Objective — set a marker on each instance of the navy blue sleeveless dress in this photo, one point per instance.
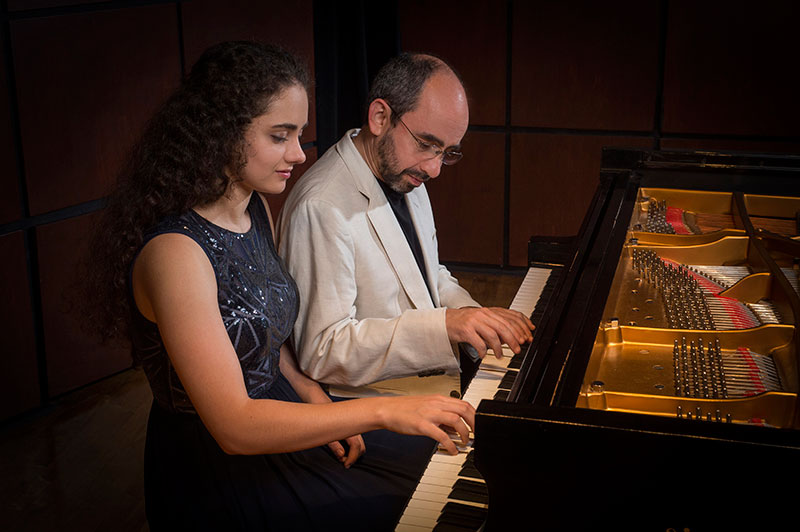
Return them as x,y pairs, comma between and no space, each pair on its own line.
190,483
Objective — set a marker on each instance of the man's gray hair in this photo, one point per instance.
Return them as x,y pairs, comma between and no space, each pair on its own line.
400,81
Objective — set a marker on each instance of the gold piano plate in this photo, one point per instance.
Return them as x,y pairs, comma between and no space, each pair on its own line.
774,207
661,239
632,370
726,250
726,351
706,215
690,200
776,406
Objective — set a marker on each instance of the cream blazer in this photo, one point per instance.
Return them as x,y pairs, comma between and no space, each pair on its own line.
367,325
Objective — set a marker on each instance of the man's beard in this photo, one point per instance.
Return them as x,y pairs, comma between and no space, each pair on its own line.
388,168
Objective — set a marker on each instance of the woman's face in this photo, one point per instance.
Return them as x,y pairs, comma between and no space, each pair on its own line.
272,143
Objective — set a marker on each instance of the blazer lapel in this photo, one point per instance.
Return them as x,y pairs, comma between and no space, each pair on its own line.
394,242
386,226
425,232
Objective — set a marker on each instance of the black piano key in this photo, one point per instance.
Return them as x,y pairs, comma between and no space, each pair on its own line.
453,512
547,291
516,360
463,495
501,395
471,485
544,297
508,380
469,490
468,470
463,515
459,523
447,527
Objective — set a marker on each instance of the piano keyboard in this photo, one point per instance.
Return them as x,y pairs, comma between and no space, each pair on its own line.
530,290
451,494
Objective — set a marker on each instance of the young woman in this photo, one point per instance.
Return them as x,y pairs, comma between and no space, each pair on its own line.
238,438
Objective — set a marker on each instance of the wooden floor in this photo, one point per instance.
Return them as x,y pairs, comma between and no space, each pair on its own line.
77,464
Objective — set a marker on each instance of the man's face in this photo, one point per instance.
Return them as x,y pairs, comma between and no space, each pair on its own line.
440,119
399,179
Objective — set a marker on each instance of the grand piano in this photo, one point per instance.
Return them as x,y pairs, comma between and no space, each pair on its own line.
660,391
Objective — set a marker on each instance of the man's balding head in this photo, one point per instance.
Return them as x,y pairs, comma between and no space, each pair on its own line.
402,80
416,118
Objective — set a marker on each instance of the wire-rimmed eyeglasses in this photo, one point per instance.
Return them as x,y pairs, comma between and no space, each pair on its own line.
449,157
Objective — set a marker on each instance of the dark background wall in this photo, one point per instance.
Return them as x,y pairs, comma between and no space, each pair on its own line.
550,84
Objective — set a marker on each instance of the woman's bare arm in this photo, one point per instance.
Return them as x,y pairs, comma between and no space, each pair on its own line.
174,285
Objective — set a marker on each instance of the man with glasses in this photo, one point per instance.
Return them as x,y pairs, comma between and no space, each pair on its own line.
378,313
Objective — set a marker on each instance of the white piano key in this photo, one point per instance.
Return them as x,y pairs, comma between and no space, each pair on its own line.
448,458
427,524
407,527
426,515
460,445
436,480
424,508
490,360
439,504
432,496
447,472
429,491
444,466
529,291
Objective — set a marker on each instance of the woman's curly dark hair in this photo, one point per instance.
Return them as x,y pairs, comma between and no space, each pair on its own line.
181,161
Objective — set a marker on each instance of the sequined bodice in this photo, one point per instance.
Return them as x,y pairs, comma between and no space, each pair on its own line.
257,298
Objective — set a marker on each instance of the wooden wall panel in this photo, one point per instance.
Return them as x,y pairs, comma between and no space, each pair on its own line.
21,5
19,380
467,201
591,65
74,358
472,36
288,24
86,83
731,68
10,201
553,180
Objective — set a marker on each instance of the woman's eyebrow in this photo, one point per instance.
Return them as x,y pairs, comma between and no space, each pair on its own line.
291,127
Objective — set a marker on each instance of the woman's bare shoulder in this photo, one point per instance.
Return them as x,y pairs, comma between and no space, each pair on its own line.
170,266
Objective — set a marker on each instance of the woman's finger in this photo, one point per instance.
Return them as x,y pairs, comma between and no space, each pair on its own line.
337,449
357,448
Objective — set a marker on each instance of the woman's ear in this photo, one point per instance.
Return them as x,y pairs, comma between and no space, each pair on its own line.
378,116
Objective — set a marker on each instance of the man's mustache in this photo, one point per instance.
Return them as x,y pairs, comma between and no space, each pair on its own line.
422,176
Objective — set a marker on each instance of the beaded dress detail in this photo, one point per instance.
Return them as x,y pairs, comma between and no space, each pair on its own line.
257,298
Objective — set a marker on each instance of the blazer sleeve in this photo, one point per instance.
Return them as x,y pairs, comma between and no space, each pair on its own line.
332,345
